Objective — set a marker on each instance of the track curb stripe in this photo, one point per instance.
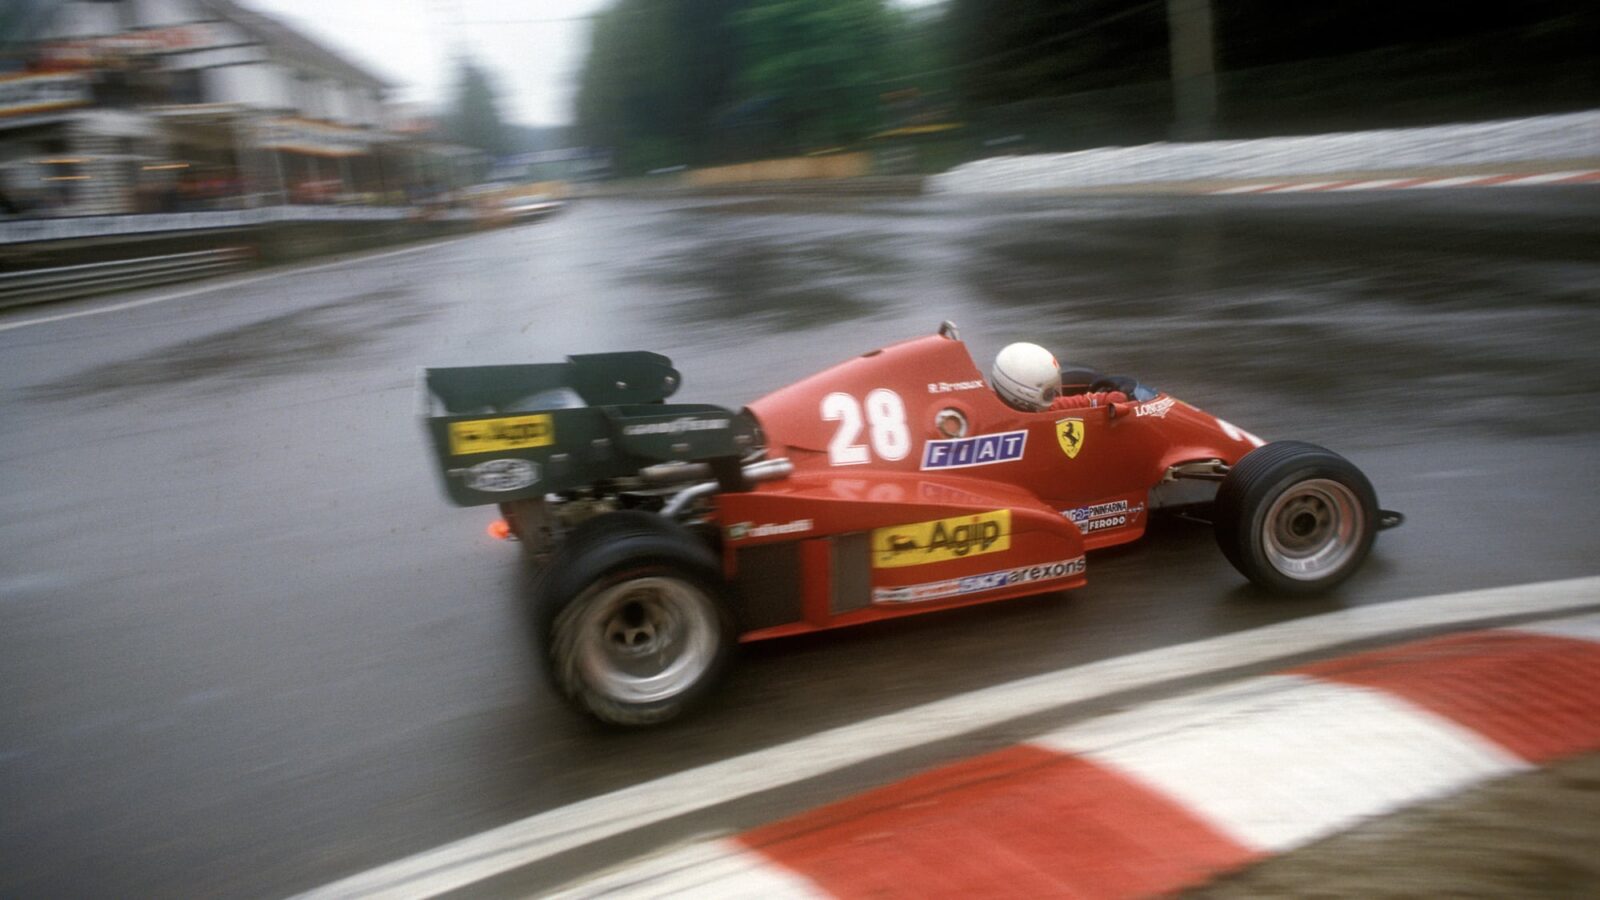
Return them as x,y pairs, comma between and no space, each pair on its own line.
1533,694
538,837
1040,823
1171,794
1281,761
1429,183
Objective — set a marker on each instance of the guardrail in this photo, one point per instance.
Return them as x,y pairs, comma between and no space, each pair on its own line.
22,231
41,285
1569,141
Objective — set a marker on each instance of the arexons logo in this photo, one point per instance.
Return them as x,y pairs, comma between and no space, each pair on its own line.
939,540
973,584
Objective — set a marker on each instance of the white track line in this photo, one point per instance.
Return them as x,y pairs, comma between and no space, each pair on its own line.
702,871
1414,183
546,834
1579,628
222,286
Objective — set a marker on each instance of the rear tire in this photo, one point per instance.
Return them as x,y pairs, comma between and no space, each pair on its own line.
1296,518
635,620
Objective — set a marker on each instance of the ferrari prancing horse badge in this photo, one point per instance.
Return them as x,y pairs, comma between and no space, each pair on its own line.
1070,433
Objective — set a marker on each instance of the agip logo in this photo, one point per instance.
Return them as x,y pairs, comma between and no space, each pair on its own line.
1069,432
939,540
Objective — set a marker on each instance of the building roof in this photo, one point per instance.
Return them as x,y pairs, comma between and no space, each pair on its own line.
295,45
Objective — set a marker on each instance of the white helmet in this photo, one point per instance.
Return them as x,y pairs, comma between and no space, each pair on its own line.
1026,376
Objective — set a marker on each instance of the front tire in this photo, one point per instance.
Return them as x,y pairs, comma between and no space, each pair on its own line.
635,618
1296,518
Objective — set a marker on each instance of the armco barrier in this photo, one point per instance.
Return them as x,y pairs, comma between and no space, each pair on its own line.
40,285
1568,140
56,259
21,231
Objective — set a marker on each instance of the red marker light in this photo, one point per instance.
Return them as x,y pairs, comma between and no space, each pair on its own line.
500,530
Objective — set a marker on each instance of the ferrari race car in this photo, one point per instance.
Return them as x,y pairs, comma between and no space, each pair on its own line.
892,484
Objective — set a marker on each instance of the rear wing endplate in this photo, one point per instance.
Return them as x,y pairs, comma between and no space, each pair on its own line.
502,433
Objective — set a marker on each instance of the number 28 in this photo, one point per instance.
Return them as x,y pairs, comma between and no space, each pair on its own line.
886,426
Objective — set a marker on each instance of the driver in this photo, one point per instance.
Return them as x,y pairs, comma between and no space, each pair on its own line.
1027,377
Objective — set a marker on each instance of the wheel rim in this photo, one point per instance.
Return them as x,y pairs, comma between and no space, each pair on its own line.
646,639
1313,529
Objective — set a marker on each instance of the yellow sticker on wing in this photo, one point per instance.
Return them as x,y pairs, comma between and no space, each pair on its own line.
494,435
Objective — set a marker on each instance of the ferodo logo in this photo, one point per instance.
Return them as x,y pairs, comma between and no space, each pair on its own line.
957,537
508,433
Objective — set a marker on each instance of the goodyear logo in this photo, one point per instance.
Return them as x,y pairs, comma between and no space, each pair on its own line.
957,537
508,433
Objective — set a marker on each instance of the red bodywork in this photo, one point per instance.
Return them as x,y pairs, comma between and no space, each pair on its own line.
885,515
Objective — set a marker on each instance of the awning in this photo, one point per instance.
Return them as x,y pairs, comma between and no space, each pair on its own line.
22,95
316,138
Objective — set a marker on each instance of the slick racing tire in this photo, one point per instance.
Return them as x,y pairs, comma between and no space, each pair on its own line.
1295,518
636,622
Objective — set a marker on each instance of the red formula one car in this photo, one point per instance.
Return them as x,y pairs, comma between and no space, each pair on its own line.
892,484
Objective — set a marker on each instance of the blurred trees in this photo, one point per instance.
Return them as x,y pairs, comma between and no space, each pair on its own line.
473,118
656,73
1067,74
1010,50
675,82
699,82
815,67
1269,32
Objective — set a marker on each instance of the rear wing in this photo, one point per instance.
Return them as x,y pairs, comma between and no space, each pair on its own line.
503,433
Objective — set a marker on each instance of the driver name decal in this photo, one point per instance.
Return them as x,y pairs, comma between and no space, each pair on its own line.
950,387
506,433
939,540
983,450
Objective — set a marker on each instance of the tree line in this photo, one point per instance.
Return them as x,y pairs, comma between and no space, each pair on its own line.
698,82
674,82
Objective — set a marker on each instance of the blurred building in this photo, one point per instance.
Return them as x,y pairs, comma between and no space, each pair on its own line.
125,106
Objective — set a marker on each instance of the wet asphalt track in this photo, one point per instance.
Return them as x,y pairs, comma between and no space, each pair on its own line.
247,647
